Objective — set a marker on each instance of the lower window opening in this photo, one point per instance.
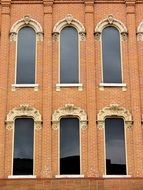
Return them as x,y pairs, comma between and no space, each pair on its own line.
69,146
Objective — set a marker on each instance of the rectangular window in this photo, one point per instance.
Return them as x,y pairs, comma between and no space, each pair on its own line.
69,146
115,146
23,146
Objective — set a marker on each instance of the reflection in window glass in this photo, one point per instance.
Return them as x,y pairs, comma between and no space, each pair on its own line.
111,55
69,56
115,146
26,56
69,146
23,147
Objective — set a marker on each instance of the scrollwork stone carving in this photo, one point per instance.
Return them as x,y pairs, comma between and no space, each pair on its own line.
69,110
114,110
24,110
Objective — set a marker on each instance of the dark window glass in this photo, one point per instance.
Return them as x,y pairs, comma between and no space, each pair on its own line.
69,146
23,147
115,147
26,56
69,56
111,55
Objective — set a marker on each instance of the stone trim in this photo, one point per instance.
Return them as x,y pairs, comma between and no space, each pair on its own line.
140,32
69,20
114,110
26,21
110,21
69,110
23,111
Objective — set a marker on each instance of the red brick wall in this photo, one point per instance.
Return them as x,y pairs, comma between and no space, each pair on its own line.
92,99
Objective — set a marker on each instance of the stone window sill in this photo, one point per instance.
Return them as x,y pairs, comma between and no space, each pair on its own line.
70,85
35,86
21,176
116,176
114,85
69,176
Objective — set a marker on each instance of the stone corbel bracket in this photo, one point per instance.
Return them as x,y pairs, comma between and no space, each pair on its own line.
23,111
69,20
114,111
110,21
26,21
69,110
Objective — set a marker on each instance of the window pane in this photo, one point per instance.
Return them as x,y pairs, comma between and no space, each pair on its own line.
115,147
111,55
23,147
69,146
69,56
26,56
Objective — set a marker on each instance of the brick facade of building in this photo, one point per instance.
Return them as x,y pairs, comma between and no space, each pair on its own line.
119,101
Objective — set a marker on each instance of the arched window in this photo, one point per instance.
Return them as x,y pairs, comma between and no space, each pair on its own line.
69,120
26,32
23,120
69,56
111,55
68,32
115,121
115,146
23,146
69,146
111,33
26,50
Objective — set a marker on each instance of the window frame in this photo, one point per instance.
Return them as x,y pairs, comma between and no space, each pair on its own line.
125,144
59,59
16,54
121,58
13,140
69,20
70,117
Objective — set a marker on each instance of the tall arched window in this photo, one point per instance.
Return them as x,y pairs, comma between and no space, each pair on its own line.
69,56
111,55
23,146
26,47
115,146
69,146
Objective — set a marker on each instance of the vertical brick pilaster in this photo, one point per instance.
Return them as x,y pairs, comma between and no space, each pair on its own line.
5,24
47,90
91,95
135,89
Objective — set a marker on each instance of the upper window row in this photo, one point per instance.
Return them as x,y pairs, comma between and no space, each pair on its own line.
69,31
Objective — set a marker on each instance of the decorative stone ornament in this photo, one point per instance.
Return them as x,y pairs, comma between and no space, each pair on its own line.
69,20
24,111
140,32
110,21
26,21
114,110
69,110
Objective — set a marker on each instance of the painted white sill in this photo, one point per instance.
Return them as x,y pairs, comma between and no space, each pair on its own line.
112,84
21,176
69,176
69,85
25,85
116,176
